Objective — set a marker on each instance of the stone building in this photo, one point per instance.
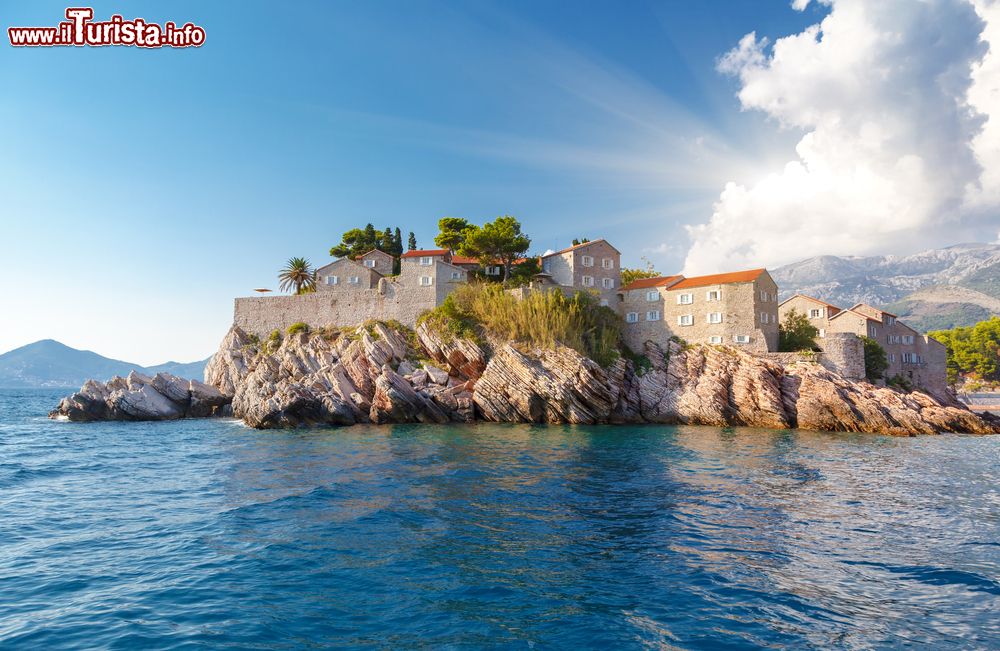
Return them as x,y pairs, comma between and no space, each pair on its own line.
379,261
345,274
915,357
592,266
736,309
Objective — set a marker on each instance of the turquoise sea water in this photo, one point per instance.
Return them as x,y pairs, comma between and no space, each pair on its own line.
205,534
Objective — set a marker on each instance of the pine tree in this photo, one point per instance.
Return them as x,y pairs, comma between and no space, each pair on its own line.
412,243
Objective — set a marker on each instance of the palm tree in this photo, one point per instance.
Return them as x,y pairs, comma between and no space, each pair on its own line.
297,274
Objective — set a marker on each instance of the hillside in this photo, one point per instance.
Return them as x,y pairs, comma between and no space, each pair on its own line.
49,363
934,289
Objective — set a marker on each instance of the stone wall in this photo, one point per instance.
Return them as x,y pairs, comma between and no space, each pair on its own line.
843,353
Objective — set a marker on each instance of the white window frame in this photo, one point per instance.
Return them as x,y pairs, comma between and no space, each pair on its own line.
815,313
741,339
714,317
588,281
370,264
652,295
426,281
604,302
492,270
764,296
685,299
333,280
872,331
426,261
713,295
608,283
632,317
715,339
607,263
456,275
587,261
765,317
653,315
685,319
822,332
907,339
354,280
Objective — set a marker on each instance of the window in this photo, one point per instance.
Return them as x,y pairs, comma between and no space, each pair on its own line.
889,320
685,299
892,357
815,313
607,263
715,339
588,281
354,280
653,315
764,296
907,358
907,339
332,280
822,332
492,271
872,331
765,317
652,295
604,302
370,264
588,261
426,280
715,317
426,261
608,283
632,317
714,295
685,320
741,339
456,275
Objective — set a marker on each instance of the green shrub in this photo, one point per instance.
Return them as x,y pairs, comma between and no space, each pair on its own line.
900,382
795,333
876,361
296,328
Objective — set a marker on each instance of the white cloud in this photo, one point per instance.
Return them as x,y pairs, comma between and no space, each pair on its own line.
891,97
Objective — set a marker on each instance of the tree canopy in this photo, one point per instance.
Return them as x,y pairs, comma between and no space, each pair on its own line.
299,275
796,333
973,351
411,243
876,361
630,275
359,241
451,233
500,241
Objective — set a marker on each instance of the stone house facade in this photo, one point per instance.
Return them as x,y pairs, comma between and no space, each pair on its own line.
345,274
379,261
592,266
733,309
915,357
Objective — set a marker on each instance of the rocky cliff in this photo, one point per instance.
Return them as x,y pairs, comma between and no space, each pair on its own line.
378,374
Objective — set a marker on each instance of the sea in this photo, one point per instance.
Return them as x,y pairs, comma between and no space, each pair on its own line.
204,534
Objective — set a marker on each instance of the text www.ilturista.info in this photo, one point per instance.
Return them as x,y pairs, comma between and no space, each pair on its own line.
78,30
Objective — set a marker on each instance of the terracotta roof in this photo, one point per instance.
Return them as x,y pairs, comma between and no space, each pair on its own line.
577,246
813,299
849,311
720,279
644,283
419,253
373,251
461,259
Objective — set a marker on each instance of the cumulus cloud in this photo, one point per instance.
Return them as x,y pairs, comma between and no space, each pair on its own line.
894,100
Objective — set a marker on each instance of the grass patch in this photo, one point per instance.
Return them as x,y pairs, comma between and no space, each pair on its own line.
543,319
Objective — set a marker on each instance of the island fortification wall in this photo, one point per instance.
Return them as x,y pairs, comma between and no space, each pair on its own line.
843,353
261,315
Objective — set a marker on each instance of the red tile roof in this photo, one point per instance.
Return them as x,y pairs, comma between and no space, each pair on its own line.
720,279
872,307
419,253
644,283
461,259
814,300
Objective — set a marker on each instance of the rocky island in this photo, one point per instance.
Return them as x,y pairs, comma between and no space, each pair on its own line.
386,373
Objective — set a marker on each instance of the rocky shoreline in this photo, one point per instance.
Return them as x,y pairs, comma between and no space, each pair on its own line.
380,374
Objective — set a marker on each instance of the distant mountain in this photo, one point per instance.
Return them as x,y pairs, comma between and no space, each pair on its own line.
48,363
939,288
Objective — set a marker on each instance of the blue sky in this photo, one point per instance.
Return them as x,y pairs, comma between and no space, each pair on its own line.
143,190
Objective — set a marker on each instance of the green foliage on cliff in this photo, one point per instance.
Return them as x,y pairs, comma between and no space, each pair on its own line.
795,333
543,319
876,361
973,351
297,327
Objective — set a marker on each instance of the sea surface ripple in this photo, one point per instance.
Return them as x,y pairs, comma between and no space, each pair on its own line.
206,534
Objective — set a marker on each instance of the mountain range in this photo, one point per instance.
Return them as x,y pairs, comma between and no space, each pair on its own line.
935,289
49,363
